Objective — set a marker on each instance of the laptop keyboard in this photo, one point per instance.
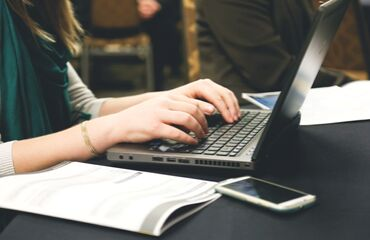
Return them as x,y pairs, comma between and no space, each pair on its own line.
222,139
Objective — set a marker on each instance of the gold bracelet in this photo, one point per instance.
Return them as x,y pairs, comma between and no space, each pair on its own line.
85,136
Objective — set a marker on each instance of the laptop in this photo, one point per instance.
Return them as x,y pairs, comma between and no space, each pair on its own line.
243,144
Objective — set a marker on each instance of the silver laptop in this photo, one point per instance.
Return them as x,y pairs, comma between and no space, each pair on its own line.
244,144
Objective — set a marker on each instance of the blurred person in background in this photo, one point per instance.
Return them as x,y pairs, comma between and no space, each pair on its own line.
160,19
248,46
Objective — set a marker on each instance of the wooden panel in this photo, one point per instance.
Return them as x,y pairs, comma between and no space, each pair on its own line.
114,13
346,51
190,37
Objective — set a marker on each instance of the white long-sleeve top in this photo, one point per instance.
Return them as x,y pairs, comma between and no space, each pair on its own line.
81,98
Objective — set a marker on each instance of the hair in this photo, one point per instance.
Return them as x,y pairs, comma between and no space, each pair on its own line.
60,14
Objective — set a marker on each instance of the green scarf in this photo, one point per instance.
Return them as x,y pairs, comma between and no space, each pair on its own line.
33,79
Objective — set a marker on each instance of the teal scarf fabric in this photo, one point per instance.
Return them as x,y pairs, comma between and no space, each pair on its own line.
33,79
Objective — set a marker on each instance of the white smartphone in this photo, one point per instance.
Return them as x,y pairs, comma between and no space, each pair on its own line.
266,194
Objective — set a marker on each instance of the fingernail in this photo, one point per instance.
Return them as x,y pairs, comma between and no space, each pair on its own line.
232,116
231,119
210,109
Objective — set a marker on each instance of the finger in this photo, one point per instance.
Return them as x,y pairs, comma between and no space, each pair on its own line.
191,106
230,100
205,107
173,133
185,120
211,94
221,107
224,100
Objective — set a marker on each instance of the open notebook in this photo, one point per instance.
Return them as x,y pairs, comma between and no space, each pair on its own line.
124,199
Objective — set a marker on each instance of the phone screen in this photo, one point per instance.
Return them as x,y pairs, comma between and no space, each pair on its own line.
263,190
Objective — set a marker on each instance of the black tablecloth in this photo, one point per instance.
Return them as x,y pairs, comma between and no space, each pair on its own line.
333,163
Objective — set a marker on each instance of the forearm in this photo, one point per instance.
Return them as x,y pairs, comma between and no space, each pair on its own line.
82,98
115,105
154,119
68,145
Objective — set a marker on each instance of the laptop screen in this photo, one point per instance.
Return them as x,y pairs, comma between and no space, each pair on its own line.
303,71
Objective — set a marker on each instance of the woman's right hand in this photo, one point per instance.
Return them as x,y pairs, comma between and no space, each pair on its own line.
165,117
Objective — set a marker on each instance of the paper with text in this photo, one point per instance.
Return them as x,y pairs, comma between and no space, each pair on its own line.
124,199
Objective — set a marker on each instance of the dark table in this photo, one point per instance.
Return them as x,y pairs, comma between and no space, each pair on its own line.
333,163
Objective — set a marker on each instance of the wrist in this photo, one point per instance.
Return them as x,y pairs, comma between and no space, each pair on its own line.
100,133
119,129
87,141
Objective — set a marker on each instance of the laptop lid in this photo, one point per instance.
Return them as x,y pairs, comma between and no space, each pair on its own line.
303,73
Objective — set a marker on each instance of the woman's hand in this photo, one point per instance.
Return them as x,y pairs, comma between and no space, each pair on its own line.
166,117
222,98
173,114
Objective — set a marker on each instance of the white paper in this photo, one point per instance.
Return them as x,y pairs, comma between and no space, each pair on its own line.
112,197
336,104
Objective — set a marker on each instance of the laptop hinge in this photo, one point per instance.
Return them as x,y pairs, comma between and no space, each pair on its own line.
280,155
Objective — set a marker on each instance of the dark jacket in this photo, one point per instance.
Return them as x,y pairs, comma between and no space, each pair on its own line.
248,45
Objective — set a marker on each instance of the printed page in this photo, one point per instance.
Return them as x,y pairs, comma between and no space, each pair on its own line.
326,105
336,104
112,197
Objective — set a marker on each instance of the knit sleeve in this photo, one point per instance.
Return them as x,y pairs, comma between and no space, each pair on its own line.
6,159
82,99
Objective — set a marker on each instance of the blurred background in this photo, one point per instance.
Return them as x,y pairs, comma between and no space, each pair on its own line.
134,46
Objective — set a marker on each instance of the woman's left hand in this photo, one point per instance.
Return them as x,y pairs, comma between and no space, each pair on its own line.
211,95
